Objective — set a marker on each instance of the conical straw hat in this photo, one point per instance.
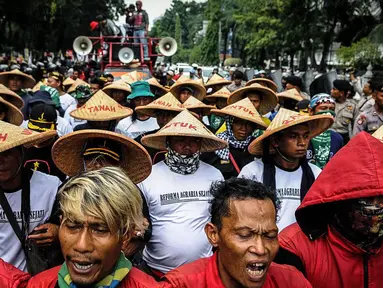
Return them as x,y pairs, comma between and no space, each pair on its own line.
28,81
68,82
243,109
13,113
101,107
37,86
67,153
132,77
216,80
199,90
222,93
185,124
378,134
291,94
153,82
117,85
269,99
286,118
11,96
264,82
167,102
12,136
78,82
192,103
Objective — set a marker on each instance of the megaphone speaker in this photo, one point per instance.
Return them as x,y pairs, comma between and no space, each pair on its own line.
82,45
168,46
126,55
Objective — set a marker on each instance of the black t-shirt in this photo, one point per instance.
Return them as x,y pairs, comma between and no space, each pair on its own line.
241,156
40,159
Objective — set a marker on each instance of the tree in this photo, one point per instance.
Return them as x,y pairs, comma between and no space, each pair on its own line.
178,32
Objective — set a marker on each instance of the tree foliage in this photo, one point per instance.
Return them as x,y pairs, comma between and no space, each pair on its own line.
360,54
51,24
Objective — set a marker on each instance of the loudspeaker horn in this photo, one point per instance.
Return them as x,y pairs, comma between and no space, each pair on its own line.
82,45
126,55
168,46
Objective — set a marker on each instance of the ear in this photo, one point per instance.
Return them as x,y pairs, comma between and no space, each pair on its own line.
212,234
373,95
274,141
311,111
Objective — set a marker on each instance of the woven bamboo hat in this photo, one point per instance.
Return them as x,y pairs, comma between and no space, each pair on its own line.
291,94
185,124
67,153
12,136
378,134
216,80
197,87
269,98
76,83
167,102
264,82
28,81
68,82
155,84
132,77
243,109
101,107
13,114
11,96
117,85
285,119
193,104
222,93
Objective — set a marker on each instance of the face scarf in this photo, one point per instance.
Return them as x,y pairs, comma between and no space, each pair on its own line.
113,280
322,144
182,164
361,222
228,136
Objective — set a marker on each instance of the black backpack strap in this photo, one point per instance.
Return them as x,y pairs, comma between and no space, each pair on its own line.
25,208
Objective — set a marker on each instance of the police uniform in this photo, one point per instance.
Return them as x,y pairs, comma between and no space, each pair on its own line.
369,121
345,115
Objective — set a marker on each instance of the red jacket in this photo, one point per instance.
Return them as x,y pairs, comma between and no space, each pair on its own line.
135,279
11,277
204,273
328,259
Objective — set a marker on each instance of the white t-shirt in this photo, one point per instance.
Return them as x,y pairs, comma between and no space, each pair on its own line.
66,100
133,129
73,121
179,210
43,190
287,185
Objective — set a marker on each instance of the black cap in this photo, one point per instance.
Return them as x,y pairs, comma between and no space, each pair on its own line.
294,80
43,118
42,97
100,146
342,85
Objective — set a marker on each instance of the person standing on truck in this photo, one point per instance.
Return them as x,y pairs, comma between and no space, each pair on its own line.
141,26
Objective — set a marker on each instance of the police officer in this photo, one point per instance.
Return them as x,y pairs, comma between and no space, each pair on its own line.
372,118
345,109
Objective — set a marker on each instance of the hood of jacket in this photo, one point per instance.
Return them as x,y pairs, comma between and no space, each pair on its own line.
354,172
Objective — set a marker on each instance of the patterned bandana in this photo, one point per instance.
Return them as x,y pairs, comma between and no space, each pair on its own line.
113,280
228,136
182,164
320,99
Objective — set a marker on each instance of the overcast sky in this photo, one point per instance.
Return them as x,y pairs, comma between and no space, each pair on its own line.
155,8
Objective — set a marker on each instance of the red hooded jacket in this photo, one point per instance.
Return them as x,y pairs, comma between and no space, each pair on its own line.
203,273
135,279
11,277
327,258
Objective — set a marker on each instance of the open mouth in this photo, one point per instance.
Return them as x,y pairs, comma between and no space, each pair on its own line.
82,267
256,270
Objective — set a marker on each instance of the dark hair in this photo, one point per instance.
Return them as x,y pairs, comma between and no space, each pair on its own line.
247,93
236,189
238,75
